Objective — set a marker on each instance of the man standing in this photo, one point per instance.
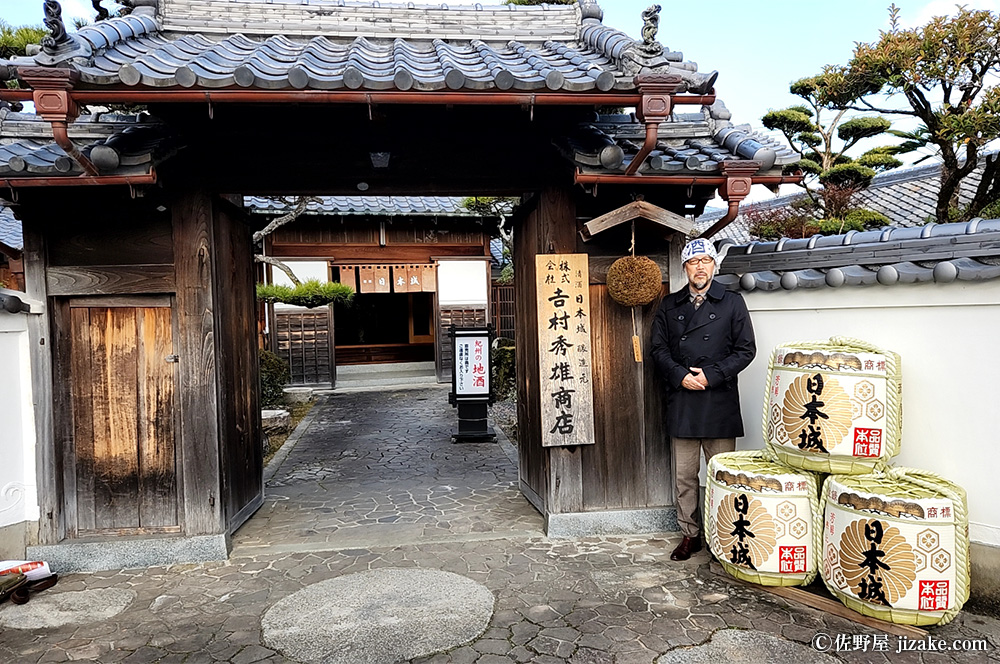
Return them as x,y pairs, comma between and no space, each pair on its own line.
702,338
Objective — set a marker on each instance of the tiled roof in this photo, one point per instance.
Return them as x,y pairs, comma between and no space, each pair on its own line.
933,253
689,143
331,44
907,196
409,206
10,230
117,144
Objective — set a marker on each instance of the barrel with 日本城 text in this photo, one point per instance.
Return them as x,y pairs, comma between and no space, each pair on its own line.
833,407
896,545
763,519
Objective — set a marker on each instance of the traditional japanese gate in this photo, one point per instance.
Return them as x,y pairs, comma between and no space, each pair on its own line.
530,130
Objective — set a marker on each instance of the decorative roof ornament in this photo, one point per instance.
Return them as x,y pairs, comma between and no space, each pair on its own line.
59,46
651,25
590,9
102,13
650,57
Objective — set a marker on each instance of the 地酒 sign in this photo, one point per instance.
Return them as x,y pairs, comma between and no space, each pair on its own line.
564,349
472,363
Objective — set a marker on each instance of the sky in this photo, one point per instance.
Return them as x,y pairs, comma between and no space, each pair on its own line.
758,47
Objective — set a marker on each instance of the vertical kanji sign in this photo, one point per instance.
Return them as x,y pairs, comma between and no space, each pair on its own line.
564,350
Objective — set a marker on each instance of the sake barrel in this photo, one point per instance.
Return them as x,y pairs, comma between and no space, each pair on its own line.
833,407
762,519
896,545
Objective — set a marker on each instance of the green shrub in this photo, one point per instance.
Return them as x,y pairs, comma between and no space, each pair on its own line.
879,161
848,176
838,226
504,373
857,128
311,293
274,375
867,218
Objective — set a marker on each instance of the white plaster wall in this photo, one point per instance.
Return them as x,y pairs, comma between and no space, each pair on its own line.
18,492
947,335
463,282
304,270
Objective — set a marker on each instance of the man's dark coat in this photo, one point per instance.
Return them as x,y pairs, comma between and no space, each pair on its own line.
718,338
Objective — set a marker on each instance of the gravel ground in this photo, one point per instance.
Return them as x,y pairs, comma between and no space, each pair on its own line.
504,415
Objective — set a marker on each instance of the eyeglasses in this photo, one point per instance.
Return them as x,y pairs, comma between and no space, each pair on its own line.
704,260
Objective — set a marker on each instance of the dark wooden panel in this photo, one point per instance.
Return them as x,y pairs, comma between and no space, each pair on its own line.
48,451
239,408
532,458
618,398
116,413
157,466
659,483
303,339
414,253
384,353
110,280
82,381
502,310
599,266
131,241
197,386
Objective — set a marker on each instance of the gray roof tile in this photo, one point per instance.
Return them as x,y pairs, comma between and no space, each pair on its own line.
333,44
117,144
907,196
938,253
449,206
689,143
10,230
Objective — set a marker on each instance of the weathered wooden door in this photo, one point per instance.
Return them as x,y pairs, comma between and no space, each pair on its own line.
122,386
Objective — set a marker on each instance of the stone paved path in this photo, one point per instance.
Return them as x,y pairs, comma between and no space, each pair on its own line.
592,600
379,467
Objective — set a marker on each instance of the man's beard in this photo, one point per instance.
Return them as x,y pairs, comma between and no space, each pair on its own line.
700,283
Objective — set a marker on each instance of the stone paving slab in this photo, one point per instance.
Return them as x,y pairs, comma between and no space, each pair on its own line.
556,601
379,467
374,483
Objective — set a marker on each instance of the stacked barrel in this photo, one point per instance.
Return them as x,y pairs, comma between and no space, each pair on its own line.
888,542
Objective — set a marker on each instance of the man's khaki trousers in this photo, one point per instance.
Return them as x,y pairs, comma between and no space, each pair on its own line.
687,463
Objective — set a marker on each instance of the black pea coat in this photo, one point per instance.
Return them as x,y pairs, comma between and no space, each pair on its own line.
718,338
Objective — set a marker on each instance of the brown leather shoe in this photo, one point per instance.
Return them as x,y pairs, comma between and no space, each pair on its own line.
688,546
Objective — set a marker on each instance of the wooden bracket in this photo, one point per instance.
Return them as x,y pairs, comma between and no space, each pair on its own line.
637,210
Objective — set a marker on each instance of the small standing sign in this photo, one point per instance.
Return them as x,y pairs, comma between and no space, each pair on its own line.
564,349
471,385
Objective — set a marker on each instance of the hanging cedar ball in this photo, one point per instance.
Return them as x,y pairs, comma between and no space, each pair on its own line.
634,281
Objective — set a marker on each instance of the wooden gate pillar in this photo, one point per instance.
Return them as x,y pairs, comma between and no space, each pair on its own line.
622,482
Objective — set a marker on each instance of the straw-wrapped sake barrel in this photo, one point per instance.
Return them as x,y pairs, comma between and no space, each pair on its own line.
833,407
762,519
896,545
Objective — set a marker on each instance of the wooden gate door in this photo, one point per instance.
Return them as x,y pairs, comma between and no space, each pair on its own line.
305,340
122,379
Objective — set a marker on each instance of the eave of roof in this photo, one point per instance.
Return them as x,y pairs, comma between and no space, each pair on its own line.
940,253
581,56
376,206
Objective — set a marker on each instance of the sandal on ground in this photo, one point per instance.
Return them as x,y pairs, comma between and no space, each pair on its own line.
9,583
22,594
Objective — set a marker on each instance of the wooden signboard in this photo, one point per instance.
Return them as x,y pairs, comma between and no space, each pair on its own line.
413,278
382,279
367,275
564,349
429,278
348,277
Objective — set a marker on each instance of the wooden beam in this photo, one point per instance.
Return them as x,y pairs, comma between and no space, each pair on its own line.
637,210
110,280
828,605
396,253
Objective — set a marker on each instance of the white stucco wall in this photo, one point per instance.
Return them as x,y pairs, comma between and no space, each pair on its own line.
463,282
18,492
947,337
